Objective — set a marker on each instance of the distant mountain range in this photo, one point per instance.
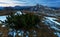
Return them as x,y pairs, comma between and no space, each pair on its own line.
1,8
56,8
37,8
28,7
16,8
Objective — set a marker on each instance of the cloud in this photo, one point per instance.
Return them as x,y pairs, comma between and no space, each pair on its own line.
11,3
29,2
6,5
51,3
3,3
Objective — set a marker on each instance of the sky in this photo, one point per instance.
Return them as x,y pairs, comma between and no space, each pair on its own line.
52,3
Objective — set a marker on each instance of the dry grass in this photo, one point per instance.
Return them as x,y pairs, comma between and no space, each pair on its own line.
44,31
